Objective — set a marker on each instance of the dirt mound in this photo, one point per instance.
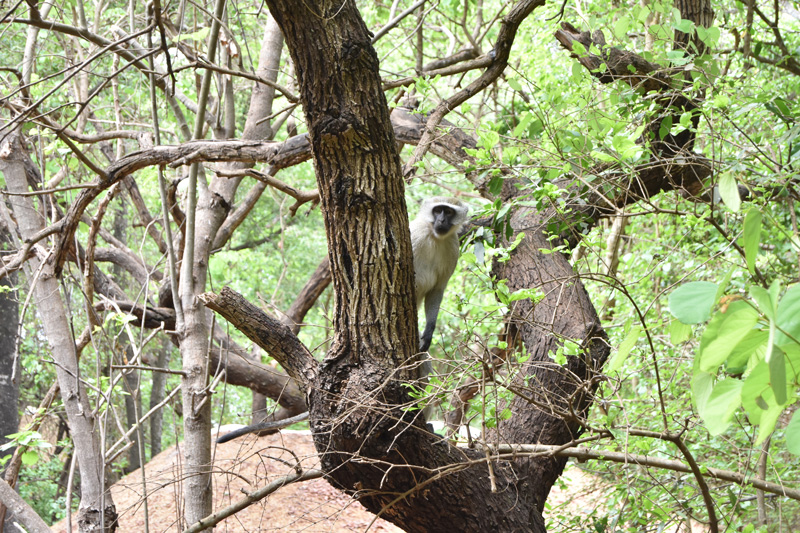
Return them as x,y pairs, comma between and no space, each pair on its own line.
244,464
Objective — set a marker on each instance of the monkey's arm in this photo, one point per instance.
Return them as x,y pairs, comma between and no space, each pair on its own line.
272,424
432,302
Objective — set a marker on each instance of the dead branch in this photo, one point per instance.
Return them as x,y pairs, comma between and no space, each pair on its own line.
275,338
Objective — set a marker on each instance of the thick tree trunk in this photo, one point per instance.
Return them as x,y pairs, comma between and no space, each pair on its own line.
97,512
370,445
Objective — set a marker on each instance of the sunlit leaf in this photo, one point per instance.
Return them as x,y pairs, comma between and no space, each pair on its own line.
691,302
723,334
722,403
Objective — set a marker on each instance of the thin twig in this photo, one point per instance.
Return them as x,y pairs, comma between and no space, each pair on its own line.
251,498
149,368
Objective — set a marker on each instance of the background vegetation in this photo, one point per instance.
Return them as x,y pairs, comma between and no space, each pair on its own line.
545,117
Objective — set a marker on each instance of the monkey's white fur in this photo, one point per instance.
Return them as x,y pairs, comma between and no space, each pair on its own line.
434,239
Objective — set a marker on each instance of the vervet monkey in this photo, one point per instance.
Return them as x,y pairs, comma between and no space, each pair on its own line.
434,240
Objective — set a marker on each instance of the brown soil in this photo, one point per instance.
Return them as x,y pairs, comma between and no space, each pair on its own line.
245,464
250,462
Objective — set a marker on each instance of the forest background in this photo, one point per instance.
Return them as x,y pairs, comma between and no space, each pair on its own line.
627,292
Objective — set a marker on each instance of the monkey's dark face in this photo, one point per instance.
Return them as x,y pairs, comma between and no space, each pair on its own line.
443,219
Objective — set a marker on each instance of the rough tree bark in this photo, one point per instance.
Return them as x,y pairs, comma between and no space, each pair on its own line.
9,364
97,511
356,397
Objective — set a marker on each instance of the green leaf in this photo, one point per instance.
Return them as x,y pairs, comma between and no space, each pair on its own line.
764,301
723,334
792,353
793,434
684,25
777,374
702,383
722,403
30,457
783,107
721,101
665,127
524,122
752,237
489,139
788,317
621,28
625,347
767,425
712,36
686,119
679,332
729,192
722,285
691,302
757,396
755,341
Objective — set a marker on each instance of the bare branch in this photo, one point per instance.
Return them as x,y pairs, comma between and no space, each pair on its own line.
499,60
251,498
514,450
21,511
275,338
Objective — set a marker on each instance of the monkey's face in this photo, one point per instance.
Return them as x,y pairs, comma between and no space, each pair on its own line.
443,220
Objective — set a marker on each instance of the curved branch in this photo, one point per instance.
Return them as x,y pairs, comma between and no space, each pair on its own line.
275,338
21,511
251,498
583,454
499,55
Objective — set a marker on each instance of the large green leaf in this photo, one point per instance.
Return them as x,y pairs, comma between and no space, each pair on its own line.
764,300
788,318
679,332
754,343
792,352
691,302
767,425
757,395
723,334
777,374
722,403
702,383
